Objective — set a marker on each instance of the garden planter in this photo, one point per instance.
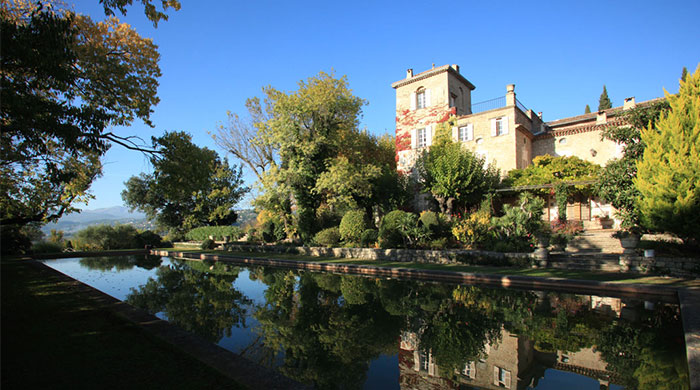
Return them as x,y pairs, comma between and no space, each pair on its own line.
629,244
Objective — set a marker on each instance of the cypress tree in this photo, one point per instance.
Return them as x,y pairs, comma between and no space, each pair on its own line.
604,101
668,175
587,110
684,74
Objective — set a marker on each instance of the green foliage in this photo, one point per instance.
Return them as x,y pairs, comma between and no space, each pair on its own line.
189,187
329,237
520,223
150,10
587,110
106,237
546,169
218,232
668,177
352,226
616,182
454,175
47,247
207,244
369,238
399,229
65,79
561,195
604,102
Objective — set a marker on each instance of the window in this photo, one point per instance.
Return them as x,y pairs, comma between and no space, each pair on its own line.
469,370
562,141
499,126
420,99
453,100
501,377
422,138
466,133
423,361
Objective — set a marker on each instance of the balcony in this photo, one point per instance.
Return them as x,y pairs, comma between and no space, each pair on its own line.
493,104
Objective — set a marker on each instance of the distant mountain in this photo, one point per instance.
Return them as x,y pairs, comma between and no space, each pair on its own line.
109,213
72,223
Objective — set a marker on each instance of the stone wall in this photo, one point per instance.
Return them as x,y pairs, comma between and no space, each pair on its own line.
681,266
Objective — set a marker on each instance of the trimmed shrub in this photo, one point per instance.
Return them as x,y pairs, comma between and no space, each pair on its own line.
208,244
329,237
352,226
106,237
369,238
430,220
218,232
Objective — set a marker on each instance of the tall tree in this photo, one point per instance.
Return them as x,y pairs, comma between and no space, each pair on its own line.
668,177
616,181
604,101
587,110
684,74
152,13
189,187
454,176
65,79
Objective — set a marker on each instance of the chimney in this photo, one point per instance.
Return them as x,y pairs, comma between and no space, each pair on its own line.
455,67
409,73
629,103
510,95
601,118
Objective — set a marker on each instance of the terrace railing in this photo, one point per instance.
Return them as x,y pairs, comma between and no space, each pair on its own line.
492,104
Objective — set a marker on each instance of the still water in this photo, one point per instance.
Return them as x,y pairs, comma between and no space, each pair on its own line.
342,331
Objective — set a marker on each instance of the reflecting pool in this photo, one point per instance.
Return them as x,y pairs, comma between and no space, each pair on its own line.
345,331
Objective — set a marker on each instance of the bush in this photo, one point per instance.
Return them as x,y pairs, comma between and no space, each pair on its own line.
473,231
399,229
151,238
352,226
329,237
208,244
106,237
218,232
515,231
369,238
47,247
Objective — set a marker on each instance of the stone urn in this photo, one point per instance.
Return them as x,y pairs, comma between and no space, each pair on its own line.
542,253
629,243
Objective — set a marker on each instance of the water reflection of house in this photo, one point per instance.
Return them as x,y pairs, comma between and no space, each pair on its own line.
512,363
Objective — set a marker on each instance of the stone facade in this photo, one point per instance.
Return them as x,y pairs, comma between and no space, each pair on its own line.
506,134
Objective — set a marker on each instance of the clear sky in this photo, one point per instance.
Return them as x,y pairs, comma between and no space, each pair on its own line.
215,54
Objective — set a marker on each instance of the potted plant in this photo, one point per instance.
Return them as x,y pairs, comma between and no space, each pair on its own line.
604,221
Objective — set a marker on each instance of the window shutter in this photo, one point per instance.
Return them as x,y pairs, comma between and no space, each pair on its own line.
508,379
427,97
416,361
413,101
495,376
414,138
470,132
431,365
428,135
455,134
493,127
505,125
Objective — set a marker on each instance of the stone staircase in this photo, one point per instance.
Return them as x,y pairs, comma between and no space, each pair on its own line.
592,250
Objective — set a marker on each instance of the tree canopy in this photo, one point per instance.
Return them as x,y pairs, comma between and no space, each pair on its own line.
189,187
547,169
65,79
454,176
668,177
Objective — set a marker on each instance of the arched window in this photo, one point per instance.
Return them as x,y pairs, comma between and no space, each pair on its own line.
421,98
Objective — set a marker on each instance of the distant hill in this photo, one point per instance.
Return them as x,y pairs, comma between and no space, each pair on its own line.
72,223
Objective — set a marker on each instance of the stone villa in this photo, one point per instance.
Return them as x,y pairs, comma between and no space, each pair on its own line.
501,130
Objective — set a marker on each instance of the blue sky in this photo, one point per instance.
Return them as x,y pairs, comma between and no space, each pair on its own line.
215,54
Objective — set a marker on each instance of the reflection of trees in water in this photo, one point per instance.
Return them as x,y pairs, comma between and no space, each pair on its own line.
121,263
650,354
202,303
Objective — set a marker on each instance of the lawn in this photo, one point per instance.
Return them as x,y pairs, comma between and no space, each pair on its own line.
613,277
56,337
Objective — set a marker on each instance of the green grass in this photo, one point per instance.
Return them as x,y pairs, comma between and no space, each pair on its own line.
54,336
613,277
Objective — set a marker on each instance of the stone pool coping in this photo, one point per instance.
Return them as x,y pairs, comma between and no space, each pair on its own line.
222,360
688,298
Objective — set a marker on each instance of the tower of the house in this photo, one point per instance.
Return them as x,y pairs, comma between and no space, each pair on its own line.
422,101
